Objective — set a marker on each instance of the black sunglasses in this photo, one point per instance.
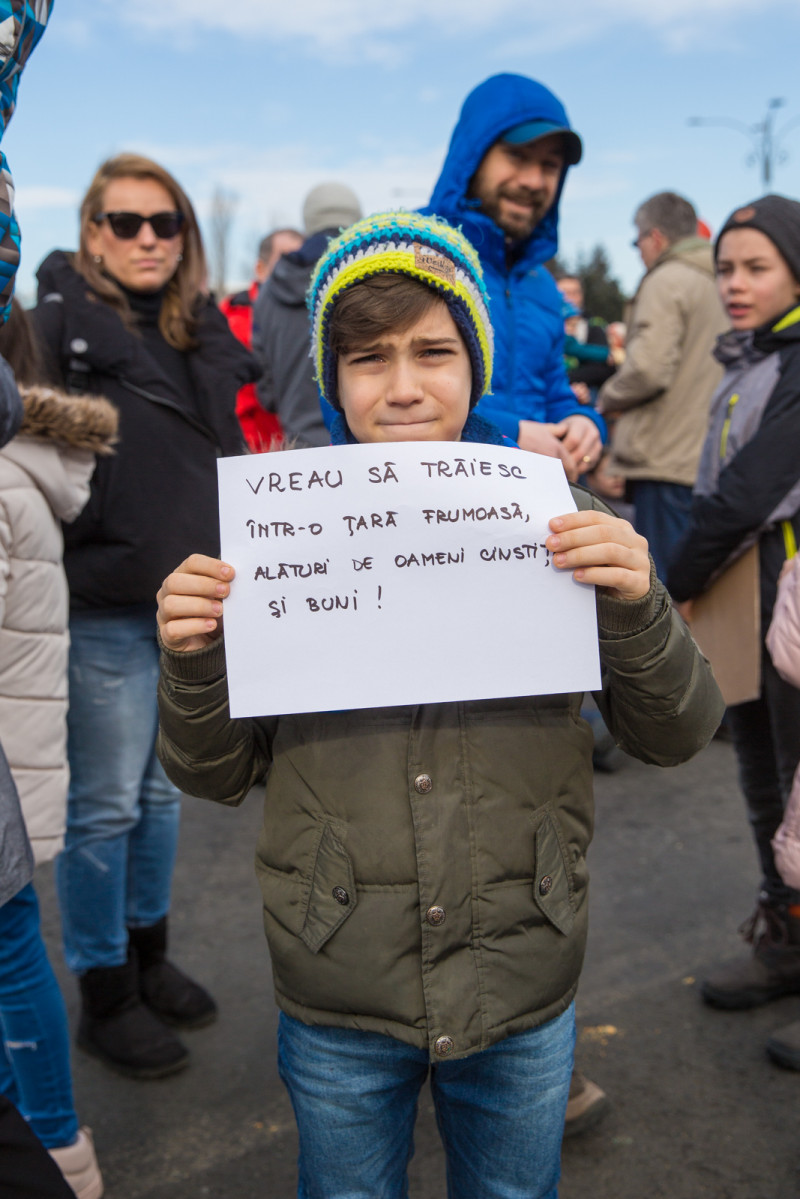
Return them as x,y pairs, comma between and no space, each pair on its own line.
126,225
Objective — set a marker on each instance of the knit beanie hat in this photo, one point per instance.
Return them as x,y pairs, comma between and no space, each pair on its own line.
330,206
775,216
404,243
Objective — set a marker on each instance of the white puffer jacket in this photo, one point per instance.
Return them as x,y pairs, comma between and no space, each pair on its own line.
44,479
783,642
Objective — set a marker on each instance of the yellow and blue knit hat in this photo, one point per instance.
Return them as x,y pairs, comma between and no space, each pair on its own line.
403,243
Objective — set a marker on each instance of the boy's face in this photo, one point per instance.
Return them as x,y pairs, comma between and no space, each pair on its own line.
754,280
409,386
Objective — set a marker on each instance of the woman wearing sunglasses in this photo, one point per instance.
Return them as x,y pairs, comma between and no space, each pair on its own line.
126,317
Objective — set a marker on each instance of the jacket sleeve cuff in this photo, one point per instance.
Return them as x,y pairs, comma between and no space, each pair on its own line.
198,665
622,618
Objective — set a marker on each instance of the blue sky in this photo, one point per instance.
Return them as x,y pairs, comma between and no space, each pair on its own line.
268,97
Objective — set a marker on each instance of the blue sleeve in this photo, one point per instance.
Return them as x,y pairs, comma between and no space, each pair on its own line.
559,398
506,420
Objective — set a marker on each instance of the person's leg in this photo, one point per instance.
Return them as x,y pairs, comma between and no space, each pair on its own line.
661,514
172,995
758,778
112,724
153,843
766,736
34,1025
354,1096
501,1114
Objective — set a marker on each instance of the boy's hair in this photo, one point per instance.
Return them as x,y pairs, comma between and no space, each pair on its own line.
377,306
397,245
668,212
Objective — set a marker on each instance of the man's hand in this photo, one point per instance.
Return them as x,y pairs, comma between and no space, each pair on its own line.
603,550
581,440
190,603
541,438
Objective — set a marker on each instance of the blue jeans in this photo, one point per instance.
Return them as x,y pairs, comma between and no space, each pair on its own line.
122,815
34,1059
500,1112
661,514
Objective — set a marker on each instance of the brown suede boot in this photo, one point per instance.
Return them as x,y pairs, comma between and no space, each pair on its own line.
784,1046
586,1105
769,972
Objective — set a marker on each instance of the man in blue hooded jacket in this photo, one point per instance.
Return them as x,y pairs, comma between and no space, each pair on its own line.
501,183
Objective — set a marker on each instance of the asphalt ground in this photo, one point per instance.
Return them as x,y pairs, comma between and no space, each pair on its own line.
698,1110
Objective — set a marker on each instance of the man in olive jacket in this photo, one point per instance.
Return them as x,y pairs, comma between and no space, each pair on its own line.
660,395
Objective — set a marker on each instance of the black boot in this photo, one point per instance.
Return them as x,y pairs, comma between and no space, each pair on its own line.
117,1028
172,995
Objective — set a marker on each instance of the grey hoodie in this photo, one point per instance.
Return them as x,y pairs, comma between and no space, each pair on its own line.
281,342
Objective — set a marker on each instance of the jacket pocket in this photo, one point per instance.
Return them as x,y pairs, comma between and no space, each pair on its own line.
552,887
332,896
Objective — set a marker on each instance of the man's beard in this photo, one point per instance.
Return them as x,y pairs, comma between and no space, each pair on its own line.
517,224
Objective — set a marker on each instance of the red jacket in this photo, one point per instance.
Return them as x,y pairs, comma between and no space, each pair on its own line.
261,429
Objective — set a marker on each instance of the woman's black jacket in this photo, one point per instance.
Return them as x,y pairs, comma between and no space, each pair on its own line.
154,501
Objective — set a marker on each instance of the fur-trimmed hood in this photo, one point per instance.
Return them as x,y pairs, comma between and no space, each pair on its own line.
83,421
55,448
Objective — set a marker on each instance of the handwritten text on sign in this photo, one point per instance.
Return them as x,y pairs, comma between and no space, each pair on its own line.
409,573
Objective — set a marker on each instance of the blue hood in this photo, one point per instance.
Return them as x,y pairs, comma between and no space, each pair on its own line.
491,109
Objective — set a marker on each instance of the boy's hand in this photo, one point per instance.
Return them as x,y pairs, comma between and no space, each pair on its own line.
190,603
603,550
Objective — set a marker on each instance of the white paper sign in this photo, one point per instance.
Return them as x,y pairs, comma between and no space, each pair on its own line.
406,573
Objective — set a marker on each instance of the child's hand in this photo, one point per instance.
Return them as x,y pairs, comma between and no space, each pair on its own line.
190,603
603,550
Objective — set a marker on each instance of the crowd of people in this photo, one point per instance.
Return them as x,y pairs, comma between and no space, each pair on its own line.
440,325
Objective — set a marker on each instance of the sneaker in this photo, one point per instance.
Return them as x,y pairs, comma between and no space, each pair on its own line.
586,1106
771,971
784,1046
78,1164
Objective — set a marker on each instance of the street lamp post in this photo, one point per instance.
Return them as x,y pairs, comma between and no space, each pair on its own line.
762,135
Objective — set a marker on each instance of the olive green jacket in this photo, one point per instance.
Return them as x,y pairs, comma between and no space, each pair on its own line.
423,868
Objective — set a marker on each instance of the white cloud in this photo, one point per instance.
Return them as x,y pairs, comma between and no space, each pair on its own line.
369,31
28,198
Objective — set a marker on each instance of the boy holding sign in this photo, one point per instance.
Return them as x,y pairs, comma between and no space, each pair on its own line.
423,867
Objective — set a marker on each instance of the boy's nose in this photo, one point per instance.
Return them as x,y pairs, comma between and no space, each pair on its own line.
404,386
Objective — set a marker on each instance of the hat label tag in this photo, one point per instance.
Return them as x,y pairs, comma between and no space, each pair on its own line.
428,260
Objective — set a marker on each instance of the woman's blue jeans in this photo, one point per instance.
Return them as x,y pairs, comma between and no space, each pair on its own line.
34,1062
123,812
500,1112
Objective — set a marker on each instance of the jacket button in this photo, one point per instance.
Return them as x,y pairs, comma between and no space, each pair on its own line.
423,783
340,895
435,916
443,1046
545,885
